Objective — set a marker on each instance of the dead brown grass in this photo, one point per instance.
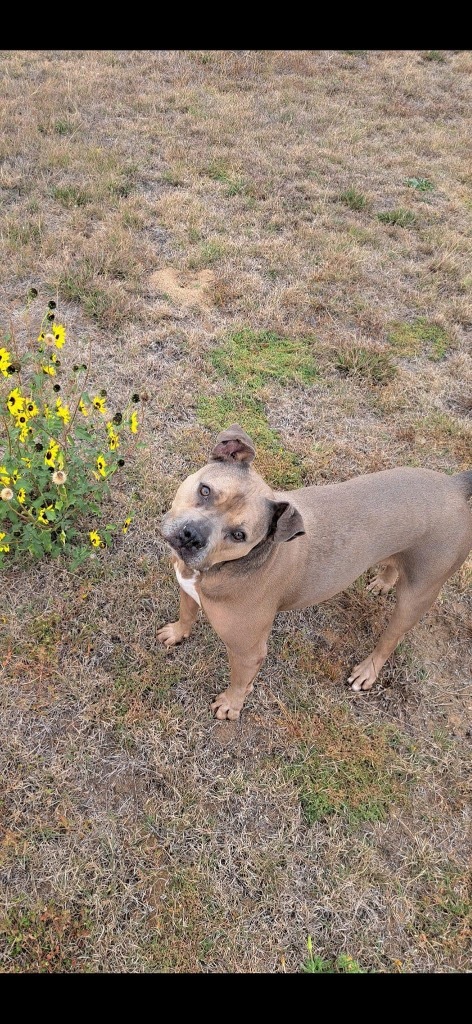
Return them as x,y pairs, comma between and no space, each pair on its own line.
167,199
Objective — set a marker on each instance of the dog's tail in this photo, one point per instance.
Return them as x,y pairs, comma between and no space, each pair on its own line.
465,482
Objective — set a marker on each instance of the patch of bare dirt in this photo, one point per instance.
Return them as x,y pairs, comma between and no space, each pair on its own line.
185,288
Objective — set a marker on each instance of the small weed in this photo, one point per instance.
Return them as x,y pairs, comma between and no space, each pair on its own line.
341,965
63,127
421,335
421,184
358,361
400,218
354,199
120,189
436,55
194,235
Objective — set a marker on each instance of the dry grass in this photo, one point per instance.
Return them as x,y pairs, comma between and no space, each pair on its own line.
171,200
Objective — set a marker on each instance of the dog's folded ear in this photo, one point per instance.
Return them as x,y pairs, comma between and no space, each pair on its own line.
285,523
233,443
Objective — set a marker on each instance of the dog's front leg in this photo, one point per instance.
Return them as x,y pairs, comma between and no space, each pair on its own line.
174,632
244,666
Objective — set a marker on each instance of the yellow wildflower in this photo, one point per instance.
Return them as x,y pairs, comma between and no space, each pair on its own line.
5,361
52,453
21,422
133,423
62,411
99,403
21,496
15,401
24,431
113,437
95,539
124,528
50,370
42,517
4,478
4,547
59,335
101,466
30,409
83,408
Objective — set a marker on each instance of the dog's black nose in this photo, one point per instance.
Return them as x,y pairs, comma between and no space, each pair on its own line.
189,537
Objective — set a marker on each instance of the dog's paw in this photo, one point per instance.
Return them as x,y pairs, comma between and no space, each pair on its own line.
384,581
223,709
379,586
363,676
171,634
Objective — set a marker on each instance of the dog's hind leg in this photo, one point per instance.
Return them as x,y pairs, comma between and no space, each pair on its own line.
420,578
412,602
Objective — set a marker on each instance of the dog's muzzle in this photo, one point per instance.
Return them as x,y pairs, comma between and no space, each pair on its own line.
188,538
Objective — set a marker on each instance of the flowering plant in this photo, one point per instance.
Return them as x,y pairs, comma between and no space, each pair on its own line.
59,448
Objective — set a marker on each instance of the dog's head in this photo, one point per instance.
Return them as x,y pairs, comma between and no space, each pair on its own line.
225,509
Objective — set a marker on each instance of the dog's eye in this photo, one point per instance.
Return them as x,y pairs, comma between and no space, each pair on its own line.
238,535
204,491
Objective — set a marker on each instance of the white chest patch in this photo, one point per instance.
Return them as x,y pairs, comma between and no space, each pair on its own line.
189,584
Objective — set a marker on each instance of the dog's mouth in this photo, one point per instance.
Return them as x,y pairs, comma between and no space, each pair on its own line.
193,557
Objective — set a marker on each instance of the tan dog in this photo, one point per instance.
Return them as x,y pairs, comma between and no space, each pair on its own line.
230,531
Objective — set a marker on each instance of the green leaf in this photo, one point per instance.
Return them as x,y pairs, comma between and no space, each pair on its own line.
81,432
79,557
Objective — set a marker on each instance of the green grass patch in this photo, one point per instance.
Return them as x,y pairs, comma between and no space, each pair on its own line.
400,217
29,232
71,196
220,171
421,335
373,366
208,254
256,358
344,770
446,435
280,467
354,199
96,303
